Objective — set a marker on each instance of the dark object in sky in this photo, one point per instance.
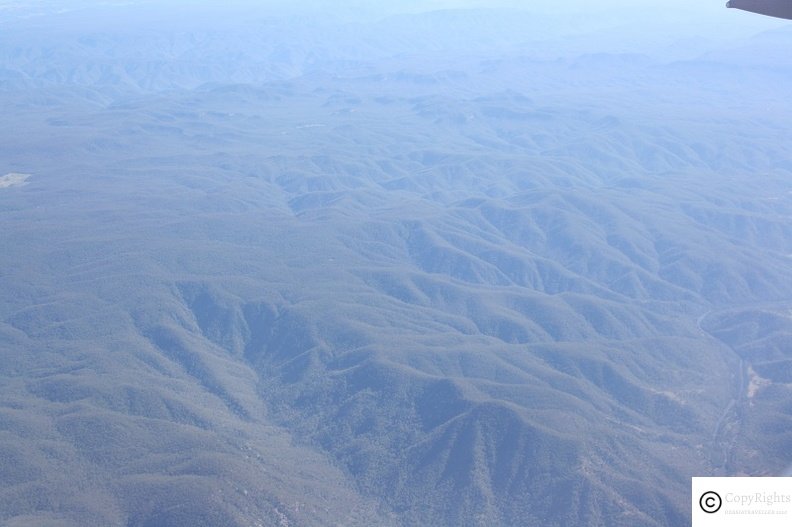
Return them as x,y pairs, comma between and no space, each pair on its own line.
776,8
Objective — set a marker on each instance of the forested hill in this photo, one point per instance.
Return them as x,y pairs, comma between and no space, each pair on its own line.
465,267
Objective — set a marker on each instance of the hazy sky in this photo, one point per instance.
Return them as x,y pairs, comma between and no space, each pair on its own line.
708,19
557,6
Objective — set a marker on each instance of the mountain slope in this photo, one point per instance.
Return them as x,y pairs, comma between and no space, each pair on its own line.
504,291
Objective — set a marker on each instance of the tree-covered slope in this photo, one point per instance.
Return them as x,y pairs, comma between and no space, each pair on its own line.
432,289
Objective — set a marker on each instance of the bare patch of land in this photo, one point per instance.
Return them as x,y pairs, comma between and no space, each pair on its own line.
13,180
756,383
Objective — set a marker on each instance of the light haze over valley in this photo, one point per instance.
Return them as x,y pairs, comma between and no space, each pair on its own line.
434,263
